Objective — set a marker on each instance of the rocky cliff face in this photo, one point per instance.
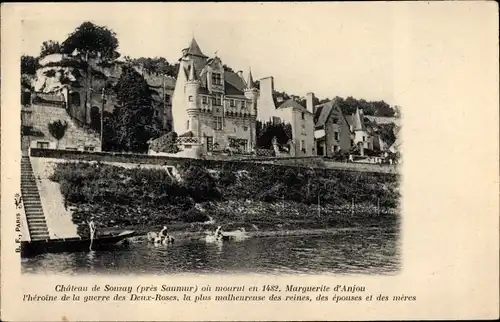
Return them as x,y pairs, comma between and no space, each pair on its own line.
57,71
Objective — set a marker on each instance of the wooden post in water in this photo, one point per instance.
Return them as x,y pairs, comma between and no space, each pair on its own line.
352,208
378,206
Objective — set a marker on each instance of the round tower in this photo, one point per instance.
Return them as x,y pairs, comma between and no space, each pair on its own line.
192,88
251,91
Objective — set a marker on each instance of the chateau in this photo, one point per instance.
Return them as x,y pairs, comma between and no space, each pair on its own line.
214,108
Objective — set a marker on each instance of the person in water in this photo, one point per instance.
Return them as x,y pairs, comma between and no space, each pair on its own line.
218,232
92,228
163,232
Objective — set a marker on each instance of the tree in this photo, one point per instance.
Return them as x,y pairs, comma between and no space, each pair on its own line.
157,65
135,122
50,47
166,143
29,65
268,130
57,129
91,38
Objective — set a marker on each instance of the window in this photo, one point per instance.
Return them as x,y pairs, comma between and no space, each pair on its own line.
232,103
364,139
276,120
217,123
190,98
302,145
243,104
335,120
167,98
303,115
303,129
42,145
210,143
216,79
217,100
245,128
187,125
336,136
204,99
88,148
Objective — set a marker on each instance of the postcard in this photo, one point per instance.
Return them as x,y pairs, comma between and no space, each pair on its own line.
249,161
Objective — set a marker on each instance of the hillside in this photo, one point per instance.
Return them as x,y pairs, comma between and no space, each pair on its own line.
57,71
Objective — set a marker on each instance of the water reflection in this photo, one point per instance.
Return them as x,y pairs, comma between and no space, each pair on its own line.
340,252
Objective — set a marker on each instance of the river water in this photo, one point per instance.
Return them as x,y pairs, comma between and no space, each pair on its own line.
356,251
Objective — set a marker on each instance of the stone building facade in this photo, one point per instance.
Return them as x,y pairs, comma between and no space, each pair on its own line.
217,108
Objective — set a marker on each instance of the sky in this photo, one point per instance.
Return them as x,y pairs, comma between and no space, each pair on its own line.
333,49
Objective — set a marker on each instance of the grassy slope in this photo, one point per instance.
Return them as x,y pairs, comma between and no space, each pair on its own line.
266,197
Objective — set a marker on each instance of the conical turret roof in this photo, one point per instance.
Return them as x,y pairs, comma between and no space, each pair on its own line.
358,120
250,80
194,49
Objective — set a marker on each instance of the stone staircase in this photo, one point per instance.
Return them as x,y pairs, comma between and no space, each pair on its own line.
37,226
76,137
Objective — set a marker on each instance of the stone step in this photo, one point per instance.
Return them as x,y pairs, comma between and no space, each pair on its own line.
32,202
30,213
31,207
38,229
29,199
35,216
40,237
37,220
34,211
38,226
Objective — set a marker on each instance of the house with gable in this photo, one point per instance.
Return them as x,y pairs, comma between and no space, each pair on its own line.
218,107
362,135
332,131
302,122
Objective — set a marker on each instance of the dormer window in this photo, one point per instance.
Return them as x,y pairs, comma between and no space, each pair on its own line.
204,99
190,98
216,79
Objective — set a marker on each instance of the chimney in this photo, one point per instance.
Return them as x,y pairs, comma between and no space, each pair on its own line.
265,100
310,102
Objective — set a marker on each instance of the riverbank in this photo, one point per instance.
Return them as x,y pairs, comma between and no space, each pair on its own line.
257,199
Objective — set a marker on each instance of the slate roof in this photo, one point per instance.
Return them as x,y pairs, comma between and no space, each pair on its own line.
234,80
322,113
293,104
194,49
